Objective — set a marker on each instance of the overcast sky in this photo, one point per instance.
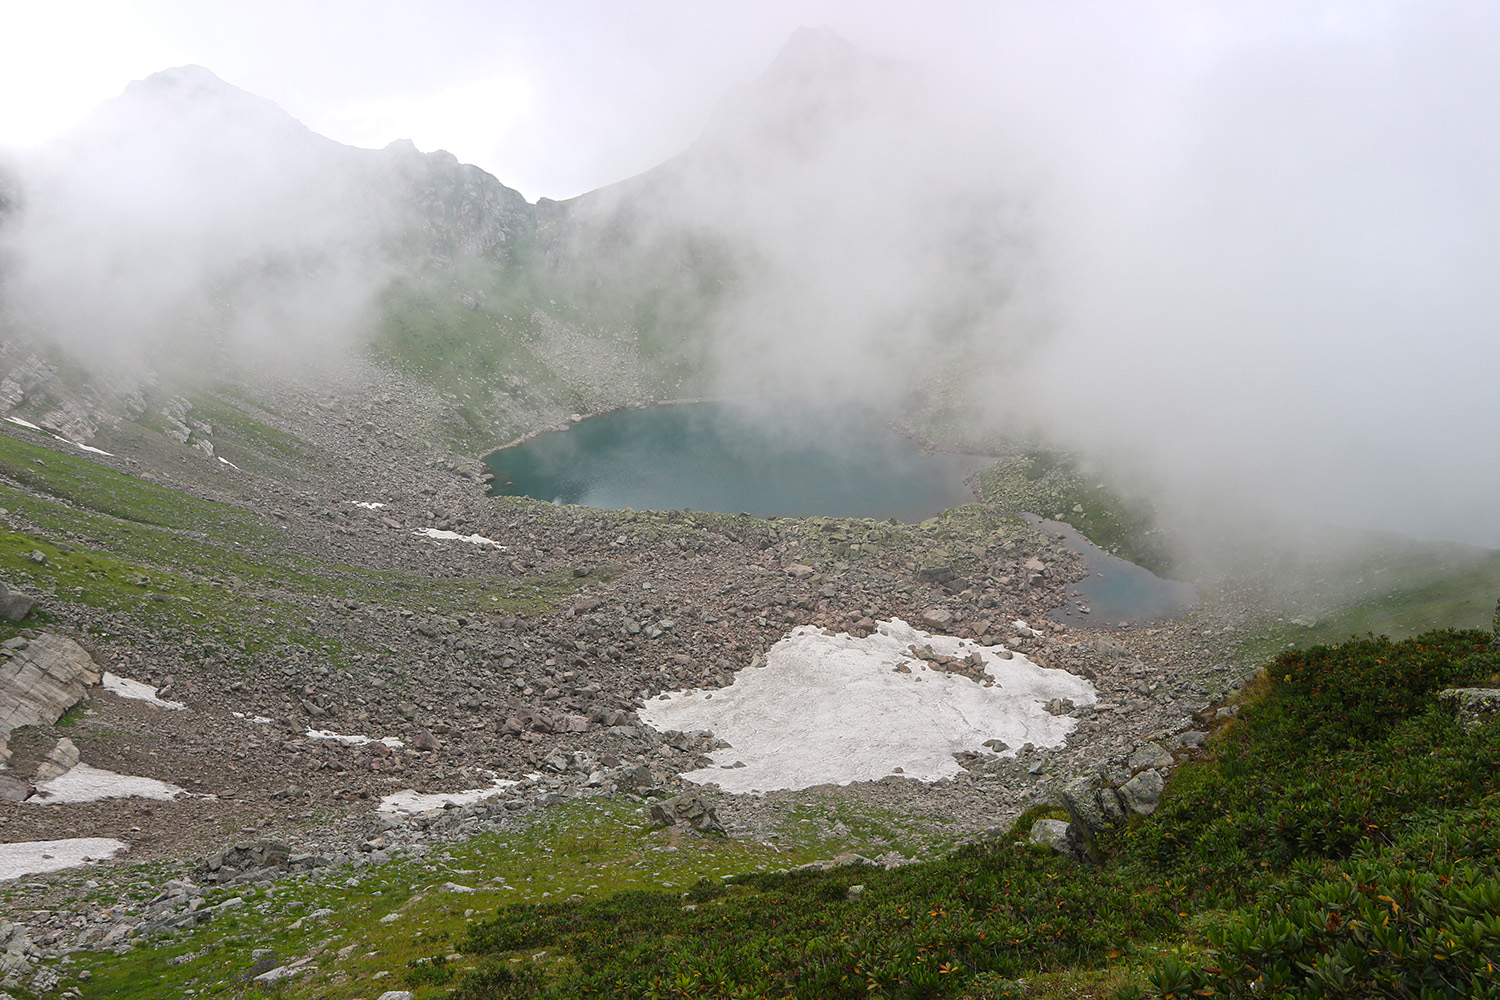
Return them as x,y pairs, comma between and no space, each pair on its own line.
562,96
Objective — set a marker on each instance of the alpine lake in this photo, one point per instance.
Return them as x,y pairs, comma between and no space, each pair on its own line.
790,463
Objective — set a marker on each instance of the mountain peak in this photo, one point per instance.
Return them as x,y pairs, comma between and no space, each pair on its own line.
186,81
819,50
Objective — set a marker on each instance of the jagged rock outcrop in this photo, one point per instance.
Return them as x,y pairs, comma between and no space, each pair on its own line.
458,206
41,680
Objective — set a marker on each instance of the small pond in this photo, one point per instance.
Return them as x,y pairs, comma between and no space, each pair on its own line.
1115,589
732,458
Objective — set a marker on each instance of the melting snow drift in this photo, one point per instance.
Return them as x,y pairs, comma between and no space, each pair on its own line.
38,856
453,536
89,784
835,709
409,801
124,687
353,741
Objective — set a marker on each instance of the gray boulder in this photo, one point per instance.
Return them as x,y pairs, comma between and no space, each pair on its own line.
687,808
13,606
1142,793
1472,707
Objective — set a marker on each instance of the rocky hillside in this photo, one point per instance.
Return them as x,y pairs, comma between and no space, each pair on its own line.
189,233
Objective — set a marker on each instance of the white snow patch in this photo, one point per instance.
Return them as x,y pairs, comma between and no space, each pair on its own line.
353,741
124,687
1024,629
84,447
454,536
34,857
227,462
90,784
23,423
367,504
409,801
259,720
834,709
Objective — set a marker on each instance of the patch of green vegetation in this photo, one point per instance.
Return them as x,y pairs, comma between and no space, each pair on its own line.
1053,485
87,485
1347,826
399,920
1400,590
244,440
100,538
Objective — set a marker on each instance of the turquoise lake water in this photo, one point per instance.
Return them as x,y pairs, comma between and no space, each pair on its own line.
729,458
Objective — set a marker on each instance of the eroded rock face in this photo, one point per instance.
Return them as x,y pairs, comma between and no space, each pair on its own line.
42,680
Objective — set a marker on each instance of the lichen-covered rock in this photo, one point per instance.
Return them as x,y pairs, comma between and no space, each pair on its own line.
1142,793
1051,832
688,808
1472,707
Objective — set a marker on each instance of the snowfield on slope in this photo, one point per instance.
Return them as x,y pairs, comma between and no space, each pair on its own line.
90,784
834,709
35,857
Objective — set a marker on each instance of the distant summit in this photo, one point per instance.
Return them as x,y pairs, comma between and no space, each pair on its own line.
818,83
190,82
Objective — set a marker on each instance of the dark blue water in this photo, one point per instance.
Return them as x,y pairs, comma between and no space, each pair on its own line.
1116,590
722,457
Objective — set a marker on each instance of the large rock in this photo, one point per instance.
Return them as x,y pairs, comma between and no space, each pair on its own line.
1050,832
62,759
687,808
1141,793
14,606
1472,707
13,789
43,680
16,953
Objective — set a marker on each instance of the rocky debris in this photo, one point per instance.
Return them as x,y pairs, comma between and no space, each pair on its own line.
43,678
971,666
689,809
17,953
255,861
13,606
1472,707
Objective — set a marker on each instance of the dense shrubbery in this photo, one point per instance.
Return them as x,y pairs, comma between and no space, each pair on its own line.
1340,841
1354,824
914,932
